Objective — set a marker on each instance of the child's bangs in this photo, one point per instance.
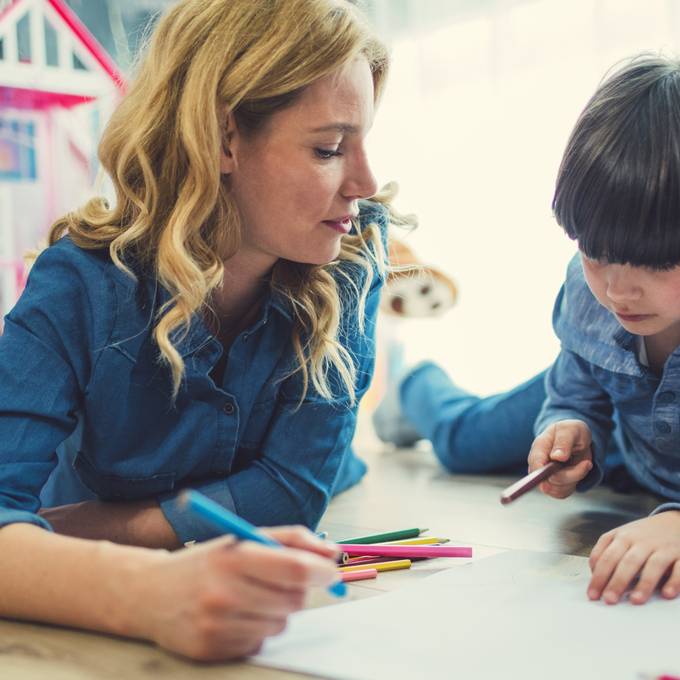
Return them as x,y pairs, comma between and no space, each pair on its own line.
620,198
622,215
618,188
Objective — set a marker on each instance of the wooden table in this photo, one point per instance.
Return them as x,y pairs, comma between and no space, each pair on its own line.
402,489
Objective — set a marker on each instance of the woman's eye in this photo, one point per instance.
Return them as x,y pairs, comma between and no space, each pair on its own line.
326,154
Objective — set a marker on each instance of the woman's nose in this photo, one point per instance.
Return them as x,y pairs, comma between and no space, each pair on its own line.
360,181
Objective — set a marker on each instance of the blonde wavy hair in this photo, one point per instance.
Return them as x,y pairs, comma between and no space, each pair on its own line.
174,214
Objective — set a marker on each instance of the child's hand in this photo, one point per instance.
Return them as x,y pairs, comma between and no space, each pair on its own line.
565,440
648,547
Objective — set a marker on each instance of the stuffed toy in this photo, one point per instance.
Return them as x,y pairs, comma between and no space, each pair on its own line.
413,289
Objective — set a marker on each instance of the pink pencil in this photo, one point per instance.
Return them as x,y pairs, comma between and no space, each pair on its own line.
406,550
359,575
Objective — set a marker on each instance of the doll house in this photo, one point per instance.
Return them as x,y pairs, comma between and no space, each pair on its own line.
57,88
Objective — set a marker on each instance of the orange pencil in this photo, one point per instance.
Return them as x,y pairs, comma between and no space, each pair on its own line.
358,575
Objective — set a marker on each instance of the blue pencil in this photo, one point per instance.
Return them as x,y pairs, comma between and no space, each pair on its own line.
223,519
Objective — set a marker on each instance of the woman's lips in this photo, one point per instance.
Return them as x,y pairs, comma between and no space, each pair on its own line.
342,226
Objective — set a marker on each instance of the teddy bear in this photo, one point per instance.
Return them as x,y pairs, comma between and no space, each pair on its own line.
412,289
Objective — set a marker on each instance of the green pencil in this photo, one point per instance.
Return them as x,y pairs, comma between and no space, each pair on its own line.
389,536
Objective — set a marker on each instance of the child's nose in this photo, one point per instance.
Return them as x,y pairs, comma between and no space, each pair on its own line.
621,286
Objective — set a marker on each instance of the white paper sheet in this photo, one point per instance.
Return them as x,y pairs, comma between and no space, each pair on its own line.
516,615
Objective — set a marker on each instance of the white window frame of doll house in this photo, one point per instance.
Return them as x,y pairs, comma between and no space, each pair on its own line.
92,79
61,78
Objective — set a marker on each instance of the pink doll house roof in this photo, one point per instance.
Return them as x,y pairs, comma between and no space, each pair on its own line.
49,58
58,86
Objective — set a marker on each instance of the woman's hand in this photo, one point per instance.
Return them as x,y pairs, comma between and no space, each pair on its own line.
221,599
565,440
647,549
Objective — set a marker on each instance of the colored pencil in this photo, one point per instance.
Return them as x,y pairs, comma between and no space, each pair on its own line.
365,559
346,559
223,519
358,575
361,559
423,540
519,488
406,550
368,560
392,565
388,536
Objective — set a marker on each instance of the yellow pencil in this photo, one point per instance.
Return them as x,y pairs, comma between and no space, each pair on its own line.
380,566
427,540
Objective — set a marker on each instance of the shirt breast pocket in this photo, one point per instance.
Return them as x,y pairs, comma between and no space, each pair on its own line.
110,487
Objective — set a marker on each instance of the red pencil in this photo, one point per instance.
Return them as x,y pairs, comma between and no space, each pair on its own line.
529,481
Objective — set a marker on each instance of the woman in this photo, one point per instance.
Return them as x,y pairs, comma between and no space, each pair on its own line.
213,328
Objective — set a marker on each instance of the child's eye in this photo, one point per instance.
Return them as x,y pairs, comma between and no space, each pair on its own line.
326,154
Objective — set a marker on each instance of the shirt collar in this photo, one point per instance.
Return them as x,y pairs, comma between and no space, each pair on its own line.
281,304
188,341
625,340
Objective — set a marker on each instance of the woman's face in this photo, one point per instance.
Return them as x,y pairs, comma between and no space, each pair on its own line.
297,181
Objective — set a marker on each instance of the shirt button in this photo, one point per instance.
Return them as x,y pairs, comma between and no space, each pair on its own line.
661,427
665,398
228,408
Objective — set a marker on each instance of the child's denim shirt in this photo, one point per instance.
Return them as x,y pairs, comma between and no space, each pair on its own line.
78,348
599,379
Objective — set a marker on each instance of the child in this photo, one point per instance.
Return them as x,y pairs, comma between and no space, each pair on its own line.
618,319
213,328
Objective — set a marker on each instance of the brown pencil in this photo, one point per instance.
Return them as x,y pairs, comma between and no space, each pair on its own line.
527,483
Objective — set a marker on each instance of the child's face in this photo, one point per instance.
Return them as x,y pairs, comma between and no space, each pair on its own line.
645,301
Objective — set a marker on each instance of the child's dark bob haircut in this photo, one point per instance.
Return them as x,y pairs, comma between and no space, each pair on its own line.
618,187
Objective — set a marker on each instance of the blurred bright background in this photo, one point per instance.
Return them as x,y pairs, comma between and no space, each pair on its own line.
481,99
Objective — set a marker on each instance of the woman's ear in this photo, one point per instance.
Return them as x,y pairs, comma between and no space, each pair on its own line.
230,140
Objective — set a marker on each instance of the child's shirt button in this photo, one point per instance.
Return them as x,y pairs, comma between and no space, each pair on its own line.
661,427
665,398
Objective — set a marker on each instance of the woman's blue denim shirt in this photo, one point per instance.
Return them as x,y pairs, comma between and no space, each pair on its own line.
78,349
599,379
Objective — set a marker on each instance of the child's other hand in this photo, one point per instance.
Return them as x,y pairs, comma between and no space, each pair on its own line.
565,440
648,548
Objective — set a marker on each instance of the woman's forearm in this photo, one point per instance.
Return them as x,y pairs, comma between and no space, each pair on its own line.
218,600
140,523
69,581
